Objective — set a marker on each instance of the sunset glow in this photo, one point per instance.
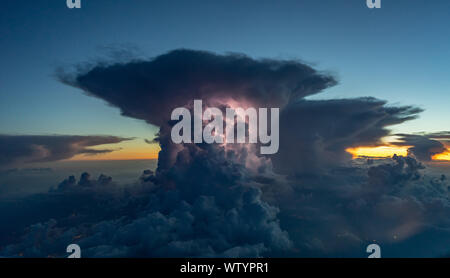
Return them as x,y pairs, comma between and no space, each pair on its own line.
389,151
127,150
442,156
379,151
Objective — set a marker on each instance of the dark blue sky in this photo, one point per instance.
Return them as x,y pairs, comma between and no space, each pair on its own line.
400,52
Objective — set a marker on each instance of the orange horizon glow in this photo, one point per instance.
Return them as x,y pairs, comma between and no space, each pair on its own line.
378,151
389,151
139,150
122,156
127,150
442,156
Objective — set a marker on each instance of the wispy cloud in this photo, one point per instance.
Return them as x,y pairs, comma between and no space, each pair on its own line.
19,149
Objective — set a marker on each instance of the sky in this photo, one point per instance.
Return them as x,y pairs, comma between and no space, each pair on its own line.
398,53
99,83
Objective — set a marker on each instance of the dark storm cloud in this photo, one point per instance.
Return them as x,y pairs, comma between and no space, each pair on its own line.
424,146
216,201
341,211
151,89
19,149
195,210
388,176
201,209
315,134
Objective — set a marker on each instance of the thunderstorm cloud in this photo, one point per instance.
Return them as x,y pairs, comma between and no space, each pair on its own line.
310,199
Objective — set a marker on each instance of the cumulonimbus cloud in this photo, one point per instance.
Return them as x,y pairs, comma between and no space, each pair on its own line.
318,131
314,134
209,200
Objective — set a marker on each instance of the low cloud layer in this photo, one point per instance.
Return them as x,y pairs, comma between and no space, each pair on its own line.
19,149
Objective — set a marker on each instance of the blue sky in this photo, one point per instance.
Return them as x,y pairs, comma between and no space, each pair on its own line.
399,53
309,193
